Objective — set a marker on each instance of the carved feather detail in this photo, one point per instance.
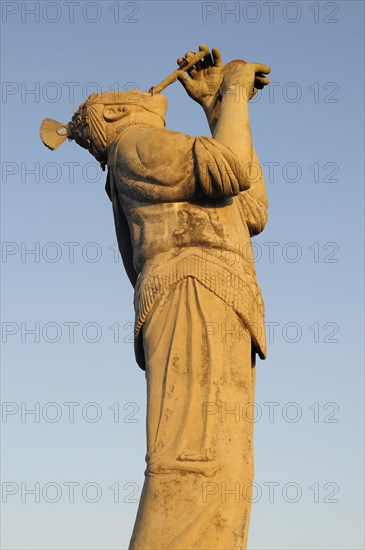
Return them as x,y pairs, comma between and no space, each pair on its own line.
53,133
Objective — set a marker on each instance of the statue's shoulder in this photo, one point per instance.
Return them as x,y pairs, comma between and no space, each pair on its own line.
152,147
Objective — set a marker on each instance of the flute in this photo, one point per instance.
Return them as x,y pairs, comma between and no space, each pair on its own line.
173,76
187,65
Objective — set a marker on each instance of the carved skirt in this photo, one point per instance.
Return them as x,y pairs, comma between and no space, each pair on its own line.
200,392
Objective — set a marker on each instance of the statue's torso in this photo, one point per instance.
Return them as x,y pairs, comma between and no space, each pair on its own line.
164,225
177,231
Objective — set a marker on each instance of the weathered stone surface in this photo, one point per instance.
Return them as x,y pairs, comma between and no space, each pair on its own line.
185,209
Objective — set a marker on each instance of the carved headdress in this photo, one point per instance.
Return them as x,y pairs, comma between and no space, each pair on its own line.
88,125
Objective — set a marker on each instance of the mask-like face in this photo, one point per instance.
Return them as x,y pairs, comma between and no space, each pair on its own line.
88,129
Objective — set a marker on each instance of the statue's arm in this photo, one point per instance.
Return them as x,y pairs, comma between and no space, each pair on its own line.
122,231
233,127
253,202
158,165
224,95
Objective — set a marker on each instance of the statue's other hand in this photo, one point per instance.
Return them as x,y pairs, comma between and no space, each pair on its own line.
203,80
252,76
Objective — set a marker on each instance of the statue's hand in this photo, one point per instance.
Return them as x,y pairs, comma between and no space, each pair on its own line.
203,80
249,76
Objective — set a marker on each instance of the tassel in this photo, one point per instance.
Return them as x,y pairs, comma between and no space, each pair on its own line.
53,133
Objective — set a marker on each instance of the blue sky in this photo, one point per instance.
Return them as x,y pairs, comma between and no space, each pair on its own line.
73,293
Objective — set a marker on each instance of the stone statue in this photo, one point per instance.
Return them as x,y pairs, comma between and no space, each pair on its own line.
185,208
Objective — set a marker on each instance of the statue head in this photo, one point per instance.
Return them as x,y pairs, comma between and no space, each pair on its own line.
99,120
